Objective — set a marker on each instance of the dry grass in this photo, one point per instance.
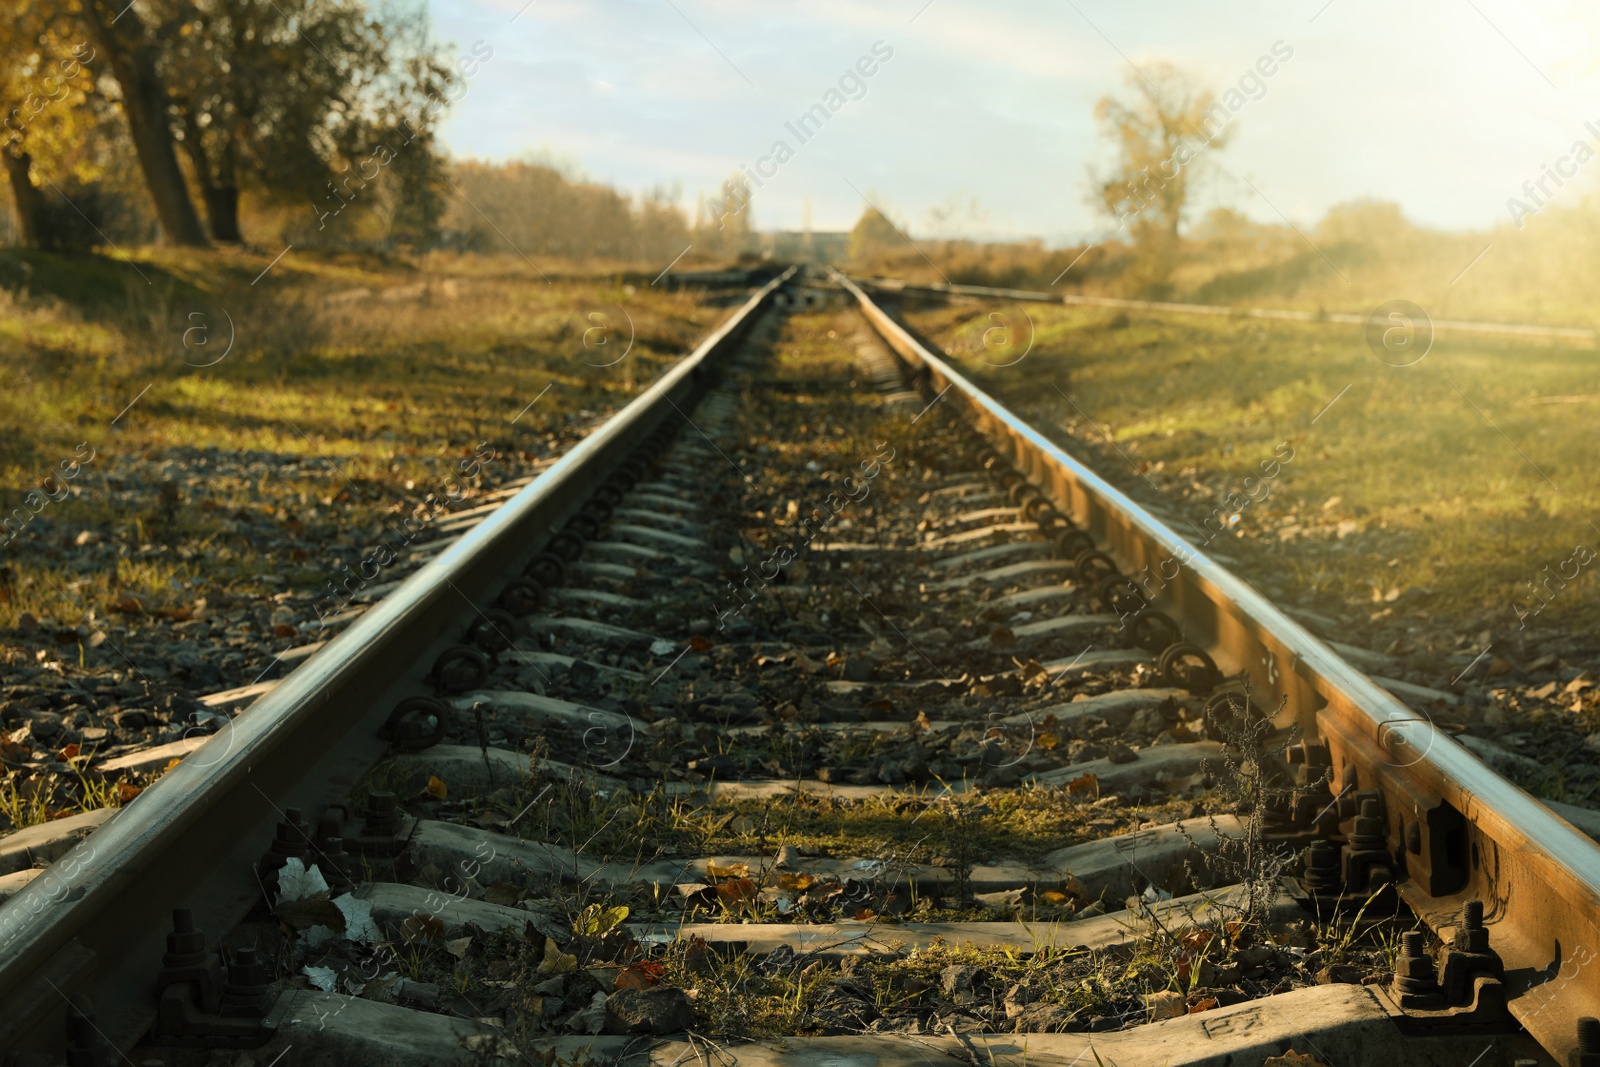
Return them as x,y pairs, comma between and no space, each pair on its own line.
1451,483
1359,256
359,382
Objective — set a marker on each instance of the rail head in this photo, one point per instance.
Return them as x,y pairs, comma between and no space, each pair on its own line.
57,931
946,290
1503,837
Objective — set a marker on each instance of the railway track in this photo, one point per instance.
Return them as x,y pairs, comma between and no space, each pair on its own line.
816,709
945,291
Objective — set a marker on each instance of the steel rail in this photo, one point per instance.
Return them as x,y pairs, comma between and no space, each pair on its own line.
1574,333
1464,831
96,921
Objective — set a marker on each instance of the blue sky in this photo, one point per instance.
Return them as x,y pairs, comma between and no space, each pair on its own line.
981,122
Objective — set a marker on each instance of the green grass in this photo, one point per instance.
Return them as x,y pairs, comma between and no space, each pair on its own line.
1457,479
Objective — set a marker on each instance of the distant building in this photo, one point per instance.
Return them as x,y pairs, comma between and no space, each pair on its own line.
804,246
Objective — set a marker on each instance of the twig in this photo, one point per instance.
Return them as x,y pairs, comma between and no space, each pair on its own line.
483,739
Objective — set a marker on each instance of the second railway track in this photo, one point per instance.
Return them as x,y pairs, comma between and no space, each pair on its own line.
808,712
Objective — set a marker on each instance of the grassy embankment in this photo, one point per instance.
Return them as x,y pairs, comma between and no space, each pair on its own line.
1437,492
377,374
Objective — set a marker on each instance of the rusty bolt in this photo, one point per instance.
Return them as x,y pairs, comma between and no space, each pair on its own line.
1415,985
1587,1054
1369,827
185,940
1471,936
1413,962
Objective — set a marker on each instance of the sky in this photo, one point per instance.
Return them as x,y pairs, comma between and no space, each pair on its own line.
980,121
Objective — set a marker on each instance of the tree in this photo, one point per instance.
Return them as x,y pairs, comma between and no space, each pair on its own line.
1162,131
284,97
538,210
1365,222
45,91
130,48
726,227
872,236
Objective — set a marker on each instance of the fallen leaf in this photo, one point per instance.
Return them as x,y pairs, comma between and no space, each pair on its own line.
1292,1059
436,788
1084,785
1047,740
1165,1004
1203,1005
738,892
863,914
597,920
922,721
69,752
297,882
1004,898
1033,671
126,792
732,870
317,936
797,882
458,947
1054,896
824,891
283,629
358,923
492,1046
698,643
640,975
555,961
321,977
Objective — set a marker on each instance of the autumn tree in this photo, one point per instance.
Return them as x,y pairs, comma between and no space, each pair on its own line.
402,109
1162,130
538,210
284,97
727,223
58,133
872,235
128,45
